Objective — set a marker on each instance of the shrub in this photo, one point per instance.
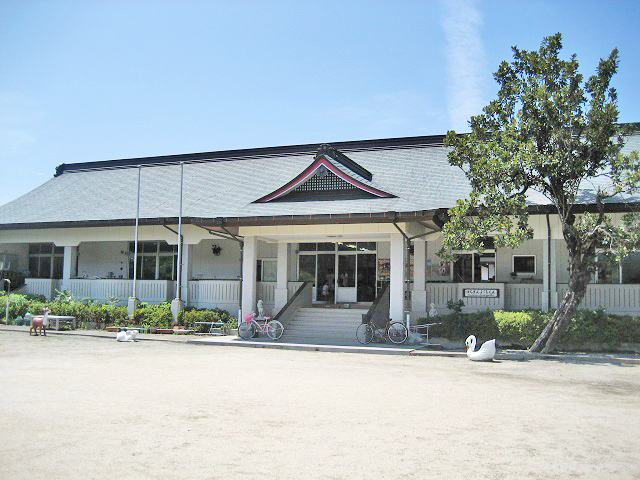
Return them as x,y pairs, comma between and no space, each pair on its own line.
190,315
520,328
587,328
458,326
154,316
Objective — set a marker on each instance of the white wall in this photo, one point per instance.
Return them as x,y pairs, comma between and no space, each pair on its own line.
504,260
562,261
206,265
97,259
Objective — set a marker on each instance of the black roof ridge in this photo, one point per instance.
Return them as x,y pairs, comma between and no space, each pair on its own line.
252,153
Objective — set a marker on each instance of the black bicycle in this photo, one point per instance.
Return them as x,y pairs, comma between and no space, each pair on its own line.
394,331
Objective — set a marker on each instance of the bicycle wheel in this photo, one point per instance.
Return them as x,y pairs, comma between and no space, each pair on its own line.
397,332
274,329
246,330
364,333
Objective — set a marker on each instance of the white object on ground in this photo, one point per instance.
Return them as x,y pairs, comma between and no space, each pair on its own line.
486,352
127,336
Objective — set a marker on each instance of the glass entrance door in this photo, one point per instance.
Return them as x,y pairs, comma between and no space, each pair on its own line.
342,272
346,291
326,278
366,277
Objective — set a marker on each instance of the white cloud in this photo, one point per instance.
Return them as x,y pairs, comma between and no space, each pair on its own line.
461,22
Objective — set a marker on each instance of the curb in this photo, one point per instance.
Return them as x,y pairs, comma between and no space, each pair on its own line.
515,355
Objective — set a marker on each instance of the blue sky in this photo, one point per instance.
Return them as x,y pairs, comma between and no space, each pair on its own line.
98,80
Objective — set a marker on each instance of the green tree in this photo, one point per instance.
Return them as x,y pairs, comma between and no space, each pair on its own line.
547,132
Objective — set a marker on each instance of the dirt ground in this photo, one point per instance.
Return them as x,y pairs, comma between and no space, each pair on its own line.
89,408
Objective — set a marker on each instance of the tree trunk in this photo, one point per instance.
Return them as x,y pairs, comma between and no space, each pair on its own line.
578,281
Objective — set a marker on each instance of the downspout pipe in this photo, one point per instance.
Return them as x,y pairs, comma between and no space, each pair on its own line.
231,236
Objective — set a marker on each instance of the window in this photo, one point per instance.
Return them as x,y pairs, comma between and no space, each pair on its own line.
631,268
612,272
267,270
524,264
156,260
307,268
45,260
475,267
607,271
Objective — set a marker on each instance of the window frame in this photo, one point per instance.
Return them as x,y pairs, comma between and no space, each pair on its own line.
260,269
55,253
524,274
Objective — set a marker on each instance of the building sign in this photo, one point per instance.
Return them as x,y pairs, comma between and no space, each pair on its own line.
480,292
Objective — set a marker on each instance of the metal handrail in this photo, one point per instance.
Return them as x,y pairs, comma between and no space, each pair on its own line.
378,313
291,301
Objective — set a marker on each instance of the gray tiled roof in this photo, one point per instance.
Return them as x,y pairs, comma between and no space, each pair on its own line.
419,176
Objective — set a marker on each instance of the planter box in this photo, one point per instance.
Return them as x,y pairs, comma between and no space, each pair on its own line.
164,330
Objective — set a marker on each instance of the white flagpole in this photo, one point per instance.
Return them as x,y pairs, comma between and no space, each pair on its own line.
179,273
135,241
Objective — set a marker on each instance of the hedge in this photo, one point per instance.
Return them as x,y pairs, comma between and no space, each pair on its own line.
586,328
85,311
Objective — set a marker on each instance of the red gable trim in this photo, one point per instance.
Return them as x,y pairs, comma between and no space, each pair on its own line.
310,171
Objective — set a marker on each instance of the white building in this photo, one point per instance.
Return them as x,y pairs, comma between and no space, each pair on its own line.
339,217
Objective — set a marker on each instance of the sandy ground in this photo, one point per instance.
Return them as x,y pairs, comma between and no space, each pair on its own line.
89,408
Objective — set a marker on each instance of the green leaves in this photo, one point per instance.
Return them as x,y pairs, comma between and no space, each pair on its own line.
547,132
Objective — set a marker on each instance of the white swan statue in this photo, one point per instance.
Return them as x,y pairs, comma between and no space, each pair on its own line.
486,352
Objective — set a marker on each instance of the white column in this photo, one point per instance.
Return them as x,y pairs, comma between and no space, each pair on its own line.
281,278
419,294
249,258
396,280
69,266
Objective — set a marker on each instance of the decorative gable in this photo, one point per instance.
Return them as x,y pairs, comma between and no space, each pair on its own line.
331,176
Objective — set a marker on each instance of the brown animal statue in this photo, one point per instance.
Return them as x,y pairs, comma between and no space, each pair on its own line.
41,323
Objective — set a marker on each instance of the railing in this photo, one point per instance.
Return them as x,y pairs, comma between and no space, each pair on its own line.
378,313
440,293
40,286
523,296
616,299
300,298
103,290
224,294
266,291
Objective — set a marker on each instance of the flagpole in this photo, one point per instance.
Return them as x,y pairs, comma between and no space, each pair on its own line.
133,300
177,305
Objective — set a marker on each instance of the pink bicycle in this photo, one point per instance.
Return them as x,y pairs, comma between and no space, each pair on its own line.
247,329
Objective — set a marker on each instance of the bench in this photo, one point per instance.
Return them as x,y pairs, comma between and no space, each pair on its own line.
212,326
54,320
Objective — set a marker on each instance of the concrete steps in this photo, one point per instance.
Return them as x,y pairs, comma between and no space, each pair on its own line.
322,325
